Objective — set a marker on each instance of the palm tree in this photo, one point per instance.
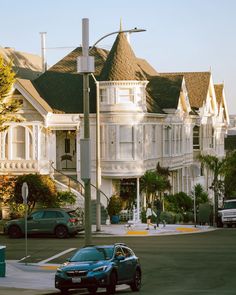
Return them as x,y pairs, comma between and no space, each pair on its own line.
152,182
217,167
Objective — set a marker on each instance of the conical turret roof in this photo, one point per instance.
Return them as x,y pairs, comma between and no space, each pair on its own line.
121,63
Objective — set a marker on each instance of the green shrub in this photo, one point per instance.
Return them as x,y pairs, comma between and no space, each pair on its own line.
188,216
168,217
179,218
114,206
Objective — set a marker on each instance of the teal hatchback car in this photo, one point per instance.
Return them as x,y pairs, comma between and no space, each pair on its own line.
94,267
57,221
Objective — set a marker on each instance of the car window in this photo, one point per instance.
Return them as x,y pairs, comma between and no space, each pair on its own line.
37,215
92,254
230,205
50,214
127,252
119,252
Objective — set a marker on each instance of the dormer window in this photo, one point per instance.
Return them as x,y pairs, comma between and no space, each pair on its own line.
125,95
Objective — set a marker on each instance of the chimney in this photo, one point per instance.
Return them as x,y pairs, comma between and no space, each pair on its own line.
43,51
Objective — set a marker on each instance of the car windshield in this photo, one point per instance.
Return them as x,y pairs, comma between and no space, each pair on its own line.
230,205
93,254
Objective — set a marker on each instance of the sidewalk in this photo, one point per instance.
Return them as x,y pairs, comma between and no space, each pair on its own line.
40,276
140,229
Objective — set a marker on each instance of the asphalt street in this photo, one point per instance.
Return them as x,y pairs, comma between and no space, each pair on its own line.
202,263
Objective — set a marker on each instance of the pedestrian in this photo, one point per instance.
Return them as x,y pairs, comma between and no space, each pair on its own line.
149,214
158,211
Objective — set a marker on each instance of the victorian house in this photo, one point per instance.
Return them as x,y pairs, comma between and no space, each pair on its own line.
146,117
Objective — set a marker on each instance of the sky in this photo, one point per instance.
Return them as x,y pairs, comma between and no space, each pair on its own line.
182,35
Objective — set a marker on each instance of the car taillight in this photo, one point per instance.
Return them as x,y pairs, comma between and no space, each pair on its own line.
72,220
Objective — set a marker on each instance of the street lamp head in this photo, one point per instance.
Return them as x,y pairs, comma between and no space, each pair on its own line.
136,30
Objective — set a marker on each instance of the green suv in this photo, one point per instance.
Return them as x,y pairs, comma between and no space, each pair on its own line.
60,222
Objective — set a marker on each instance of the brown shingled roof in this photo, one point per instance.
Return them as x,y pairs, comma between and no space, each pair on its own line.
69,63
25,65
219,92
165,90
197,84
121,63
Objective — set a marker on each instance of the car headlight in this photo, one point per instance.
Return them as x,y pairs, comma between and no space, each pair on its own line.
100,268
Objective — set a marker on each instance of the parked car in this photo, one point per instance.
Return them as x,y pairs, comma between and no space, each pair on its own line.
60,222
94,267
227,215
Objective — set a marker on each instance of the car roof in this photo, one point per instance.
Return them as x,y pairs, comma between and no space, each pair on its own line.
105,246
55,209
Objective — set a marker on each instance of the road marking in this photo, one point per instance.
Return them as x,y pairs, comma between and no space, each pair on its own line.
187,229
49,267
55,256
137,232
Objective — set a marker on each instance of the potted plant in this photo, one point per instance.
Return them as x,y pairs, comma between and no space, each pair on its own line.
114,207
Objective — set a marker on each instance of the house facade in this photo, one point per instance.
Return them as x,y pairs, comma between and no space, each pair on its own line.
146,117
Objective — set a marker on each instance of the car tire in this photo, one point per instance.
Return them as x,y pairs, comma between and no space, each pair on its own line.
136,284
64,290
61,232
14,232
92,290
111,288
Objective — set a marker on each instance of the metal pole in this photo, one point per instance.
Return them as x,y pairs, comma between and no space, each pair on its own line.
26,231
98,162
194,204
87,187
138,201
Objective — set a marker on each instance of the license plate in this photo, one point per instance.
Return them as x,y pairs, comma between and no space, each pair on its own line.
76,280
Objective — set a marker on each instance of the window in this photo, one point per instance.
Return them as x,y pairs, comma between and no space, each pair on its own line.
196,135
18,143
167,130
126,95
51,214
153,149
126,142
67,145
37,215
103,95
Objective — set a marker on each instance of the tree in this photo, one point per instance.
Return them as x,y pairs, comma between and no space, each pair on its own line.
217,167
7,184
152,182
8,106
230,176
42,190
201,196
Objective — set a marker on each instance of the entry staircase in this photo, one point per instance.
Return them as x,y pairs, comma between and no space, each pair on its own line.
66,182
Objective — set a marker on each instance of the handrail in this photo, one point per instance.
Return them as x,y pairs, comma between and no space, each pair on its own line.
80,184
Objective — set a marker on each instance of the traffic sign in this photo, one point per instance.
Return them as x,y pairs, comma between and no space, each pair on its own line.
25,192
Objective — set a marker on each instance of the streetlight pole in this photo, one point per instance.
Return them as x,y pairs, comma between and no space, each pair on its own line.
86,67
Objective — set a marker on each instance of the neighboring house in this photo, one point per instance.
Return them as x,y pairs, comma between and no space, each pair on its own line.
25,65
146,117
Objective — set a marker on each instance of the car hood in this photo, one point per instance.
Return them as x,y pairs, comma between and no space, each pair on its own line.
88,265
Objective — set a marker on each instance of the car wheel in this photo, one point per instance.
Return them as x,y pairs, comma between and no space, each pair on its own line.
92,290
111,288
64,291
136,284
61,232
14,232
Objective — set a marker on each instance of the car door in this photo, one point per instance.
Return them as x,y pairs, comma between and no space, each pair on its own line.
34,221
49,221
130,263
119,259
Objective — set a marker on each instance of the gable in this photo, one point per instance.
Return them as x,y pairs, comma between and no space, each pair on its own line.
31,96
